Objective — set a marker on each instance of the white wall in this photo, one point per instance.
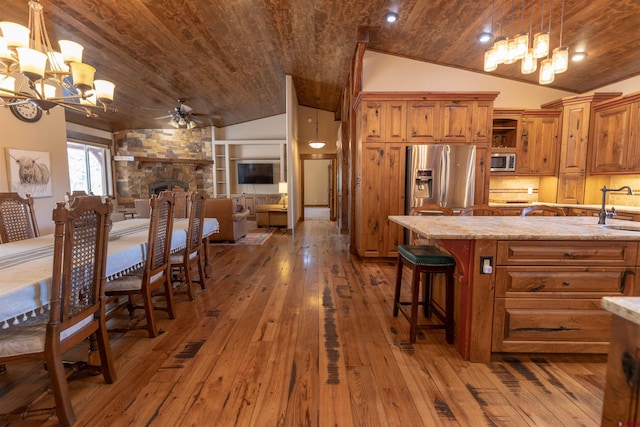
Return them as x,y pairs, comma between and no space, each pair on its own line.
388,73
316,182
49,134
626,86
327,130
273,127
293,162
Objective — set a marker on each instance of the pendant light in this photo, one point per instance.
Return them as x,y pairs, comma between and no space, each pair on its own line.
316,143
522,38
561,53
546,72
541,39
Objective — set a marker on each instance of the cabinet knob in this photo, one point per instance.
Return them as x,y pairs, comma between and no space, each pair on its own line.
566,283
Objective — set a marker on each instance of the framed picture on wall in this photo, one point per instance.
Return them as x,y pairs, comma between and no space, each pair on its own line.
29,172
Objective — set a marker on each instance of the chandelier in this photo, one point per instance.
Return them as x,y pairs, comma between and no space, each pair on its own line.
32,71
316,143
508,50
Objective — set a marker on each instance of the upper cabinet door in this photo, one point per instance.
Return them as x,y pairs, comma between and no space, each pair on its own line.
482,122
610,140
575,136
372,121
396,121
633,158
423,121
546,150
455,119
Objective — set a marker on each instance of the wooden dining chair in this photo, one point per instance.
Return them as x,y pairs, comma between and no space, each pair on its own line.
155,275
481,210
182,202
77,303
17,218
182,263
143,209
542,210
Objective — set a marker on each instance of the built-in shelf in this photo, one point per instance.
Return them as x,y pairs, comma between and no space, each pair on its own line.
198,163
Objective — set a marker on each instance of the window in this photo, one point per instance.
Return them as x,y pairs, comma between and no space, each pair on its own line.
88,168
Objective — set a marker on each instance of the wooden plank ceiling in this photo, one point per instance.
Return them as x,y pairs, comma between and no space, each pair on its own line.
229,58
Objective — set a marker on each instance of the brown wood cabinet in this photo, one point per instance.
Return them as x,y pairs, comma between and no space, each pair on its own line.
622,390
533,135
616,142
577,125
381,193
386,123
383,121
447,121
547,294
539,143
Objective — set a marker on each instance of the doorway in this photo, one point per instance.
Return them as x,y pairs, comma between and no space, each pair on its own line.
318,187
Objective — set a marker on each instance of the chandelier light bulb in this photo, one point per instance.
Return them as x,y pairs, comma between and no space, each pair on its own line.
560,59
490,63
512,52
32,63
104,91
15,35
541,44
71,51
501,48
546,72
529,63
7,86
522,45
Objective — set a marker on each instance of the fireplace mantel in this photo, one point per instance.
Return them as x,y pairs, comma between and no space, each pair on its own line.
198,163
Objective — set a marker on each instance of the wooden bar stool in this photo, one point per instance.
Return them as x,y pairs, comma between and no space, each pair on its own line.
426,261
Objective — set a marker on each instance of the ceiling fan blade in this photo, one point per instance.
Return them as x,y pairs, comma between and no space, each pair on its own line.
164,117
184,108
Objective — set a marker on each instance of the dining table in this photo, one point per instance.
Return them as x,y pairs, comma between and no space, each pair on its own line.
26,266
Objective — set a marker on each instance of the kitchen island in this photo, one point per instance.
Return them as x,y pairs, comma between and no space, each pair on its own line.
533,284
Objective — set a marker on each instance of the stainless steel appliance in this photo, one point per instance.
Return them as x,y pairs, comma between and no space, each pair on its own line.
503,162
440,174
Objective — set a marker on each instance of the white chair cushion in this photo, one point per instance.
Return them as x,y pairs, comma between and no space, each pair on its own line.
22,340
130,282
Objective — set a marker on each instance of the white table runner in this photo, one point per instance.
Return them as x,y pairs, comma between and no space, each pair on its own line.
26,265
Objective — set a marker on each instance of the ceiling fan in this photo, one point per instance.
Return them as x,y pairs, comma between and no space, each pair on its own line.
183,115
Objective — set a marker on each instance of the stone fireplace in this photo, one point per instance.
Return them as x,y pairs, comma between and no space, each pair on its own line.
166,184
162,160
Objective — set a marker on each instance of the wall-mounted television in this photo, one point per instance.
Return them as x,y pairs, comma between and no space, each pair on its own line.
255,173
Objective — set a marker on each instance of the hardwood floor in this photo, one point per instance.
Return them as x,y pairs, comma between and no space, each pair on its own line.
299,333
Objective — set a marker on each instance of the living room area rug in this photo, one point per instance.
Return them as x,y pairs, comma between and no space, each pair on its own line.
255,237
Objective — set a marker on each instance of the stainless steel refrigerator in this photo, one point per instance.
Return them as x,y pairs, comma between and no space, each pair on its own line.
440,174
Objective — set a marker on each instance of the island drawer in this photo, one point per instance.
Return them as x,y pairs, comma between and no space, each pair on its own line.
533,325
519,252
573,282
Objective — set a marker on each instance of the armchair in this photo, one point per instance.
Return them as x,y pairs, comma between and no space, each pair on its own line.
233,224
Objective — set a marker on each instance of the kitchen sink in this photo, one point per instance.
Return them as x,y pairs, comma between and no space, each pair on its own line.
624,227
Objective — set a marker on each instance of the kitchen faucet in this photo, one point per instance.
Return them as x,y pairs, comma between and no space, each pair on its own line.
603,214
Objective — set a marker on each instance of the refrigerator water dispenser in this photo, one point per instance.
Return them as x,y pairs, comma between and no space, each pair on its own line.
424,183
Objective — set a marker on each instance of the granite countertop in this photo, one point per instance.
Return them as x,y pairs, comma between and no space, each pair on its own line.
626,307
518,227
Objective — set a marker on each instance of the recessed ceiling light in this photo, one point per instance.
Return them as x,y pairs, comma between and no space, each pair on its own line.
390,17
578,56
484,37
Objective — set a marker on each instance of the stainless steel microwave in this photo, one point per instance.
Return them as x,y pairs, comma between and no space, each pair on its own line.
503,162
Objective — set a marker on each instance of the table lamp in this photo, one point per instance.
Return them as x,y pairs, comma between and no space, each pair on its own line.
282,189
